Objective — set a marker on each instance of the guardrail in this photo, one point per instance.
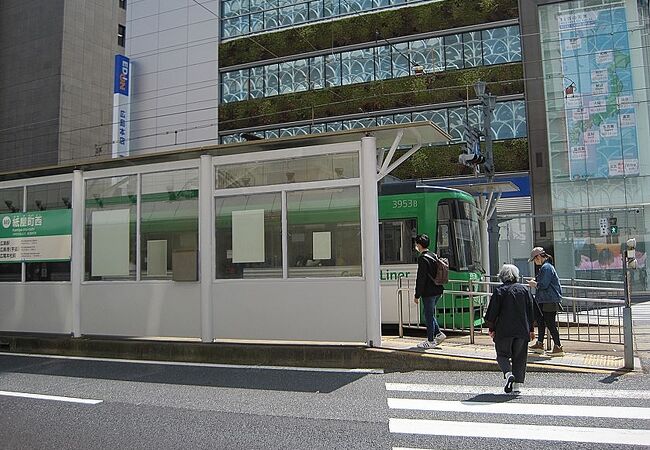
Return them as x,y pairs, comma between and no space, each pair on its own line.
590,317
460,309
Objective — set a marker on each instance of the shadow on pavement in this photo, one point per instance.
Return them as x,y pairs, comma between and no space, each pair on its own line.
276,379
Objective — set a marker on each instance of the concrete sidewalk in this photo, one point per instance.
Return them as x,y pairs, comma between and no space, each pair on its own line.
395,355
578,355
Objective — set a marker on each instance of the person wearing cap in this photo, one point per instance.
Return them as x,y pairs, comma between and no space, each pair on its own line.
549,299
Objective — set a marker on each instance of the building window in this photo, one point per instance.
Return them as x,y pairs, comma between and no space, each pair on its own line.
122,4
121,35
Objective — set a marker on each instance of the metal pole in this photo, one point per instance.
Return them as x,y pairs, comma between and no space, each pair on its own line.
627,319
370,239
78,211
487,130
400,296
206,253
471,312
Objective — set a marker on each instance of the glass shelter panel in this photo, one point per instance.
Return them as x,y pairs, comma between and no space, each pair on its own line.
48,197
248,237
311,168
169,226
111,215
12,202
324,233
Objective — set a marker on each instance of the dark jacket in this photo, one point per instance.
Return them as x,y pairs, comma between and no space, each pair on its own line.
548,285
424,285
510,312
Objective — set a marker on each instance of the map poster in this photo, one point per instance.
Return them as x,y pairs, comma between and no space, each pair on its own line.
599,94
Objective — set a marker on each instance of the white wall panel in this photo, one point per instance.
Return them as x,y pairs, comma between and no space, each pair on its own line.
36,307
146,309
310,310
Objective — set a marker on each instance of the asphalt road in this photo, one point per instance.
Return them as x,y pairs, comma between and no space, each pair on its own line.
101,404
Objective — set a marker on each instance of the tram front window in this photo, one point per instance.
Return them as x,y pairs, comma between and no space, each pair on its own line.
458,235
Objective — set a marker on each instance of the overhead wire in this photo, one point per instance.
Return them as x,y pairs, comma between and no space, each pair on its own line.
86,113
296,109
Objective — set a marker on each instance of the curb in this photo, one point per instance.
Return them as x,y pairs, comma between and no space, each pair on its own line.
289,355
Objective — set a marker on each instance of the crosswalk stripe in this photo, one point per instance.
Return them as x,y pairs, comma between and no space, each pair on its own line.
520,408
528,432
541,392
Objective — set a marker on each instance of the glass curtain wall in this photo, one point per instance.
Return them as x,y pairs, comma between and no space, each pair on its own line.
596,86
242,17
374,63
509,122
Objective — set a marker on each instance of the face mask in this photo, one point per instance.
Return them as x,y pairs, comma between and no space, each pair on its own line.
416,249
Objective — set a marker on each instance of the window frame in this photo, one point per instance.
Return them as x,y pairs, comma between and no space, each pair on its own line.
121,35
284,189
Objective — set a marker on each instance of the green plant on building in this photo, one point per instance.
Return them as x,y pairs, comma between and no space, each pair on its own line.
358,29
442,161
406,92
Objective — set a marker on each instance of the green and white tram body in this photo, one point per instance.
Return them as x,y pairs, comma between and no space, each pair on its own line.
449,217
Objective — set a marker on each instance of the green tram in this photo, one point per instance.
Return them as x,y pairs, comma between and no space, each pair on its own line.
449,217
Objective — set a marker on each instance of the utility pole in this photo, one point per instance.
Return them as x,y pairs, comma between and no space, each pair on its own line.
487,205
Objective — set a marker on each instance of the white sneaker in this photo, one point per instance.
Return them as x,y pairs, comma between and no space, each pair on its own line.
510,380
427,344
440,337
516,388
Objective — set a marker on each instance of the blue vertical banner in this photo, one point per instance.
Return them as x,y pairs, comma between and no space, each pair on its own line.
598,93
121,106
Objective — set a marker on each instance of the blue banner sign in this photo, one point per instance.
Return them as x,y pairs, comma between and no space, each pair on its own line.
121,75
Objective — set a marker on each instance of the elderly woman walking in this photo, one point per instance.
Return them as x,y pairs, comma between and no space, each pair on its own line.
510,318
549,299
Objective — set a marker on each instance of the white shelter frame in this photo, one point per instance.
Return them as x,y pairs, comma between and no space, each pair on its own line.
210,309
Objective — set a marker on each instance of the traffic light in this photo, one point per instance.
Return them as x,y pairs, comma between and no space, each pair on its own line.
472,155
613,227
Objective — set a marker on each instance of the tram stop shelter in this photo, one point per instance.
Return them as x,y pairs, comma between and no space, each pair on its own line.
257,241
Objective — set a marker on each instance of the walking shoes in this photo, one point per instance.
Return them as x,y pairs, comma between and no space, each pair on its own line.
538,347
557,351
427,344
510,380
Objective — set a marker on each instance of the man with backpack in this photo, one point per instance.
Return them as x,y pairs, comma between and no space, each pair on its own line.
433,272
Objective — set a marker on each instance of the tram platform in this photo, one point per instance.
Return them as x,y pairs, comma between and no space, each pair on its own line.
395,354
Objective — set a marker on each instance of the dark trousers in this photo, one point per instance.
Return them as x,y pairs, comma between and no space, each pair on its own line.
513,349
548,321
430,316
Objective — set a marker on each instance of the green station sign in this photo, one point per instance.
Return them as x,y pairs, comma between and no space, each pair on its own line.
36,236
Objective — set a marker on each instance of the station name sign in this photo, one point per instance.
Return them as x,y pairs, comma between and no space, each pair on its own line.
38,236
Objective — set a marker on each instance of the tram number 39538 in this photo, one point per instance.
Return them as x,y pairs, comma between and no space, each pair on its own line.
407,203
